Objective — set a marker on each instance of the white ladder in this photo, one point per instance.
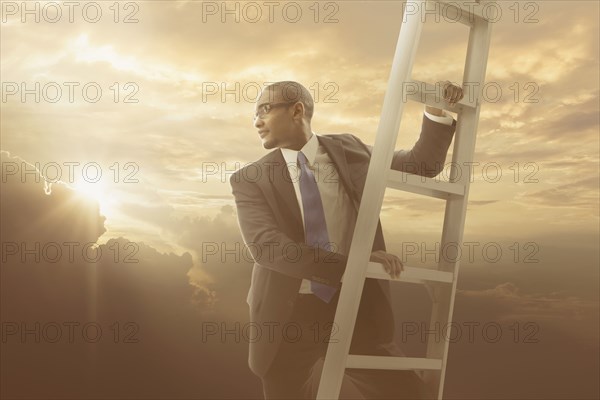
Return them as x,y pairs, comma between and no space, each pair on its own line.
441,283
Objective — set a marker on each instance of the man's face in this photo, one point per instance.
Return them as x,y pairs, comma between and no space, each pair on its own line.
275,128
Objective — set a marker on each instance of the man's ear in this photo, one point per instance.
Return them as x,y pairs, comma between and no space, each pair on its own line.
299,110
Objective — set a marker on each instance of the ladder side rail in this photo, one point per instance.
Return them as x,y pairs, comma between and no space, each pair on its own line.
372,199
456,207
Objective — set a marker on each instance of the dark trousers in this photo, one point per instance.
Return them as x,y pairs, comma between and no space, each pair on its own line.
296,369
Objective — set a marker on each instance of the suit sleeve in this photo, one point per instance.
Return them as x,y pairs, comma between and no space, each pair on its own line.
272,248
428,154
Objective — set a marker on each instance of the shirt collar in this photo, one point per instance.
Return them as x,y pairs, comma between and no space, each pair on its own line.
309,150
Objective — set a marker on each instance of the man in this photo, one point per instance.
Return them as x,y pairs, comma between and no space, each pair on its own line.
297,208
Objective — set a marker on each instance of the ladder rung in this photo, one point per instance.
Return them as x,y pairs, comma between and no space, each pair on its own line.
389,362
423,185
464,12
410,274
432,95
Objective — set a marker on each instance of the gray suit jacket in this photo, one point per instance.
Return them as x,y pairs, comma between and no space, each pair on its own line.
271,226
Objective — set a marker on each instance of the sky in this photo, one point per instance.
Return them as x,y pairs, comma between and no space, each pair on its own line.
120,130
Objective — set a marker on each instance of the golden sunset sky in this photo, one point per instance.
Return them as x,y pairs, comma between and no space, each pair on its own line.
186,74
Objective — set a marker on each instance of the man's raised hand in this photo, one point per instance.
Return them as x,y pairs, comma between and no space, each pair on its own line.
451,93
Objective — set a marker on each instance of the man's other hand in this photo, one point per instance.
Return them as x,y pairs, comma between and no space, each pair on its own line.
390,262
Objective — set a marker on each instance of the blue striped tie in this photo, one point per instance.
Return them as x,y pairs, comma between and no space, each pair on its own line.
314,221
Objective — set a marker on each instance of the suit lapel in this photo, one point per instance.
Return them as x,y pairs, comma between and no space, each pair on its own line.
336,153
281,182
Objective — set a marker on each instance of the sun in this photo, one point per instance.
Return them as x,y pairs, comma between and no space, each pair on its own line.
97,192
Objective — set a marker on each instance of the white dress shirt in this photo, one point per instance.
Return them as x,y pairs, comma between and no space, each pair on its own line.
340,214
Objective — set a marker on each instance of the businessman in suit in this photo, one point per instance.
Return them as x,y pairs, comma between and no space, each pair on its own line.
297,208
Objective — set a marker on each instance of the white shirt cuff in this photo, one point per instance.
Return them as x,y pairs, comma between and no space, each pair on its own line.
445,119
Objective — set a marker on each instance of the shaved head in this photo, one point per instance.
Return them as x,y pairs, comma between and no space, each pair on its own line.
290,91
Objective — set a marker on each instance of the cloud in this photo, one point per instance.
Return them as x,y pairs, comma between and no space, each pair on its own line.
511,303
530,332
150,308
43,207
582,193
482,202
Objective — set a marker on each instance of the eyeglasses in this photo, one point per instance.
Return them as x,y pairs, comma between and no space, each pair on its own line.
264,109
